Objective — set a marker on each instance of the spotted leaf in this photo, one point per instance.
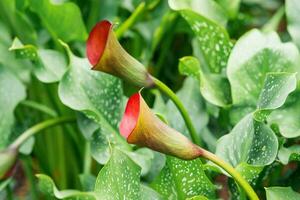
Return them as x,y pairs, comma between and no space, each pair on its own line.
49,65
119,178
183,179
48,188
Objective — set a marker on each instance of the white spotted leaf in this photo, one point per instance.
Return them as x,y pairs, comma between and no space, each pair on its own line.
181,179
254,56
212,39
49,65
119,178
277,87
250,142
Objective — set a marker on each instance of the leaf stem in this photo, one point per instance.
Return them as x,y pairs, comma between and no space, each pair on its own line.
87,158
131,20
38,127
39,107
166,90
230,170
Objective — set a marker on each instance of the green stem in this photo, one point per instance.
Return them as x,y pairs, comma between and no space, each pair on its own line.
166,90
274,22
131,20
38,127
39,107
230,170
87,158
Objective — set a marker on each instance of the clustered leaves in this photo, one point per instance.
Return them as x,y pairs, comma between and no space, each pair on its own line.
239,84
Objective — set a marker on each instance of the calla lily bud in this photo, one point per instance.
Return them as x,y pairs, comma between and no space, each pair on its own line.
7,160
107,55
142,127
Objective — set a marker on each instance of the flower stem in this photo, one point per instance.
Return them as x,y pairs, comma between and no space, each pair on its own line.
230,170
38,127
166,90
131,20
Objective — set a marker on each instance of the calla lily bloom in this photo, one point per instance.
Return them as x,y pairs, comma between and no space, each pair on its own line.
7,160
107,55
142,127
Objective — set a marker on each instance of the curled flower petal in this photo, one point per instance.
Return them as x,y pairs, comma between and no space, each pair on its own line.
107,55
141,127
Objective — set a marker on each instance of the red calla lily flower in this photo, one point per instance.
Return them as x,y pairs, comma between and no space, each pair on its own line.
142,127
107,55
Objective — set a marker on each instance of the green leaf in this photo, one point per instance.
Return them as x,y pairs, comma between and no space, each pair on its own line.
199,197
213,46
255,55
277,87
287,118
190,96
211,85
181,179
17,21
21,68
281,193
230,6
289,154
212,39
63,21
87,181
119,178
5,183
292,9
206,8
48,188
12,91
97,94
49,65
250,142
148,193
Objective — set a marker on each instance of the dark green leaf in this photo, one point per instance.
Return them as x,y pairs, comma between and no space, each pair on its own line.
17,21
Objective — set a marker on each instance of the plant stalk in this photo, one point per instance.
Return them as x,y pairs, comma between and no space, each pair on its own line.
38,127
166,90
131,20
230,170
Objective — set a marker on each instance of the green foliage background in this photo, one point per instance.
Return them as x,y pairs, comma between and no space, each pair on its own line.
233,63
